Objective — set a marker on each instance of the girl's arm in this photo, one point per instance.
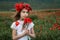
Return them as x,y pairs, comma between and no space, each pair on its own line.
32,33
15,36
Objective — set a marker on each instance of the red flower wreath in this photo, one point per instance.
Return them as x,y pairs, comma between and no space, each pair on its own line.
20,6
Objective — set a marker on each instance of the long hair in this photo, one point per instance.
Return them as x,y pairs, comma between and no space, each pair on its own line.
17,16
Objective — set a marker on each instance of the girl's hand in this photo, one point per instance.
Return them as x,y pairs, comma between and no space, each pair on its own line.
29,32
26,31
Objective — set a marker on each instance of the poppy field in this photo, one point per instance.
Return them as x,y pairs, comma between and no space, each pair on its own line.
47,25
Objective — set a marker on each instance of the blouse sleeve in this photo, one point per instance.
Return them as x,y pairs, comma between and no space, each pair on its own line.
31,25
13,26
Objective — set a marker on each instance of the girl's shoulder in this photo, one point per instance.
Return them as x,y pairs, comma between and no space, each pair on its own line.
16,22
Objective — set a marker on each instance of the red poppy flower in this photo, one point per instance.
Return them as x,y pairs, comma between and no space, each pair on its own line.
17,7
51,28
58,27
27,20
55,26
21,5
27,5
17,23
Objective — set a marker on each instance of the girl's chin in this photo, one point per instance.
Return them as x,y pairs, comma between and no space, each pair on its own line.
23,18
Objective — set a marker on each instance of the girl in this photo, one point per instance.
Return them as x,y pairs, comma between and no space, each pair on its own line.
22,27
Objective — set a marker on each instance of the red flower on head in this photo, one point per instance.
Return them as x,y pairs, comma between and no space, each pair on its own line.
21,5
27,20
17,23
17,6
27,6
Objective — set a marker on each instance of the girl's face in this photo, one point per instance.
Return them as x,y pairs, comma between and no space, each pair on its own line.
24,13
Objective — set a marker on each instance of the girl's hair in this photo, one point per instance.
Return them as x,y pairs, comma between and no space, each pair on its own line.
17,16
19,7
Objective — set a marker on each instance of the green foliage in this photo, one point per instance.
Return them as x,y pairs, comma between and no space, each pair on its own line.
33,17
5,31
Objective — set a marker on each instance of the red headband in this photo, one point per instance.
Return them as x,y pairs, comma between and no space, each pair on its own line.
20,6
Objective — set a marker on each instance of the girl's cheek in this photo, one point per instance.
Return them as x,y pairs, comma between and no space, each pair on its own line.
26,15
22,14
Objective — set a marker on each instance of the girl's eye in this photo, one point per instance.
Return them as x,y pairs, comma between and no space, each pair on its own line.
27,12
23,11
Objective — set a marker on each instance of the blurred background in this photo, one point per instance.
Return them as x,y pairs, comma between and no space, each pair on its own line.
8,5
45,15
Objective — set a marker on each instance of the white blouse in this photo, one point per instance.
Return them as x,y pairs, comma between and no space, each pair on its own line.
19,28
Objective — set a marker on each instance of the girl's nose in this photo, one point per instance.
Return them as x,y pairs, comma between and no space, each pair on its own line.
26,14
